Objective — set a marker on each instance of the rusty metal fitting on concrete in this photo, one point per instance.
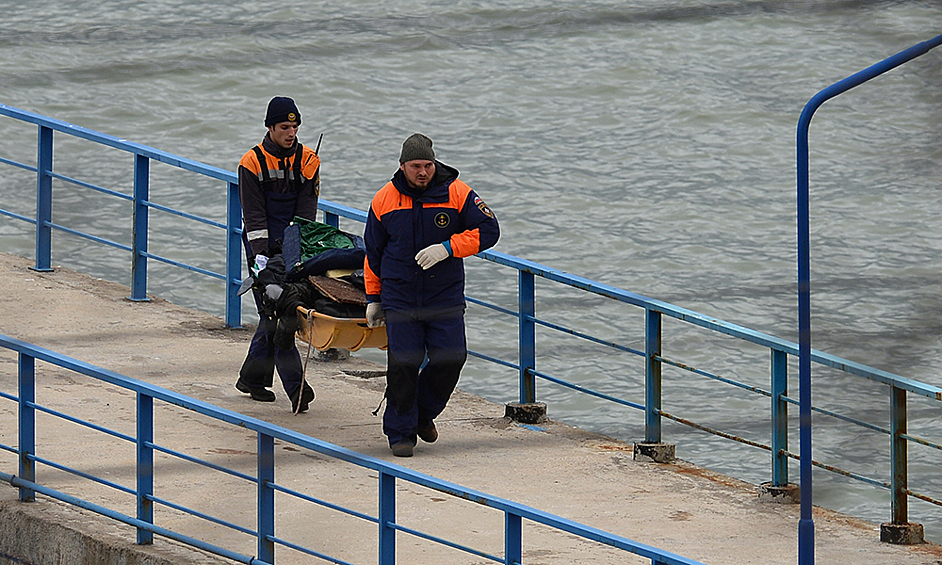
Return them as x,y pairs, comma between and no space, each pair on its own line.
656,452
902,534
785,494
529,413
329,355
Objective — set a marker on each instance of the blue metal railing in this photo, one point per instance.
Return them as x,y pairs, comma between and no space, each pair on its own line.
140,199
898,396
266,533
655,362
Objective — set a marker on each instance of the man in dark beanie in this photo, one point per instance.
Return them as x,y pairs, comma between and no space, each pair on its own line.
278,179
282,109
420,226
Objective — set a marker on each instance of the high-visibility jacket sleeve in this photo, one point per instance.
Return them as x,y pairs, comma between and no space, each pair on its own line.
311,187
252,199
376,238
482,231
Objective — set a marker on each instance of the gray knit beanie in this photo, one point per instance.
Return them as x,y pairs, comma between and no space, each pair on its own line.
417,146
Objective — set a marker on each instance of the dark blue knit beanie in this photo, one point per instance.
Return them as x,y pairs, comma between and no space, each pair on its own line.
282,109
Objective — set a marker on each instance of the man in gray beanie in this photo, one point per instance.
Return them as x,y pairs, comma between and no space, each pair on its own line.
416,147
420,226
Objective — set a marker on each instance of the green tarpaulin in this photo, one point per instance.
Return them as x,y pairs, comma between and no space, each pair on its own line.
317,238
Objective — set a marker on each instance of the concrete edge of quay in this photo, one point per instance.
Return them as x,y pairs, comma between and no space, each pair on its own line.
73,536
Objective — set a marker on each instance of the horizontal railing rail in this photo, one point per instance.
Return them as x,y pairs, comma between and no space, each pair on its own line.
263,484
778,392
525,316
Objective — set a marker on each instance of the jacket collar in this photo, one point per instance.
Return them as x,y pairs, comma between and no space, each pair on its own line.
276,150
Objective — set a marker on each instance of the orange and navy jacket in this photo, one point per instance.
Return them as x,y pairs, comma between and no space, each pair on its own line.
402,221
269,206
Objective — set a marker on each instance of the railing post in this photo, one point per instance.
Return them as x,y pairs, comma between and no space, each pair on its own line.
44,201
779,418
899,530
513,539
652,386
527,337
139,230
145,466
387,516
652,448
898,456
778,489
234,254
332,219
266,497
27,414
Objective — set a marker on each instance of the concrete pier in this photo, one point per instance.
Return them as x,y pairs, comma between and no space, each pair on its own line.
584,477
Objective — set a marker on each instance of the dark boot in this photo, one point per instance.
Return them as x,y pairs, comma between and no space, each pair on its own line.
402,449
259,394
428,434
304,396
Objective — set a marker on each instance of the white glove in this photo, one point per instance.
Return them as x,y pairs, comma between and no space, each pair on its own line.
431,255
260,262
375,316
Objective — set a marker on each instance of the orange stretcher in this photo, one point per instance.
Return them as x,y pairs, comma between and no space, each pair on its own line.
325,332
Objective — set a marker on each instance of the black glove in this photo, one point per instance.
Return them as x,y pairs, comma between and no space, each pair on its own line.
273,273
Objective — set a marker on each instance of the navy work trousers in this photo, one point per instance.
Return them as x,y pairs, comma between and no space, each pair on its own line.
264,357
416,394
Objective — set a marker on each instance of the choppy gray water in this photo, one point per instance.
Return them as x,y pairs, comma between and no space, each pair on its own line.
646,145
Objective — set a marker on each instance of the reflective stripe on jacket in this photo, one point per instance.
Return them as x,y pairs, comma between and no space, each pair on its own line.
272,196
